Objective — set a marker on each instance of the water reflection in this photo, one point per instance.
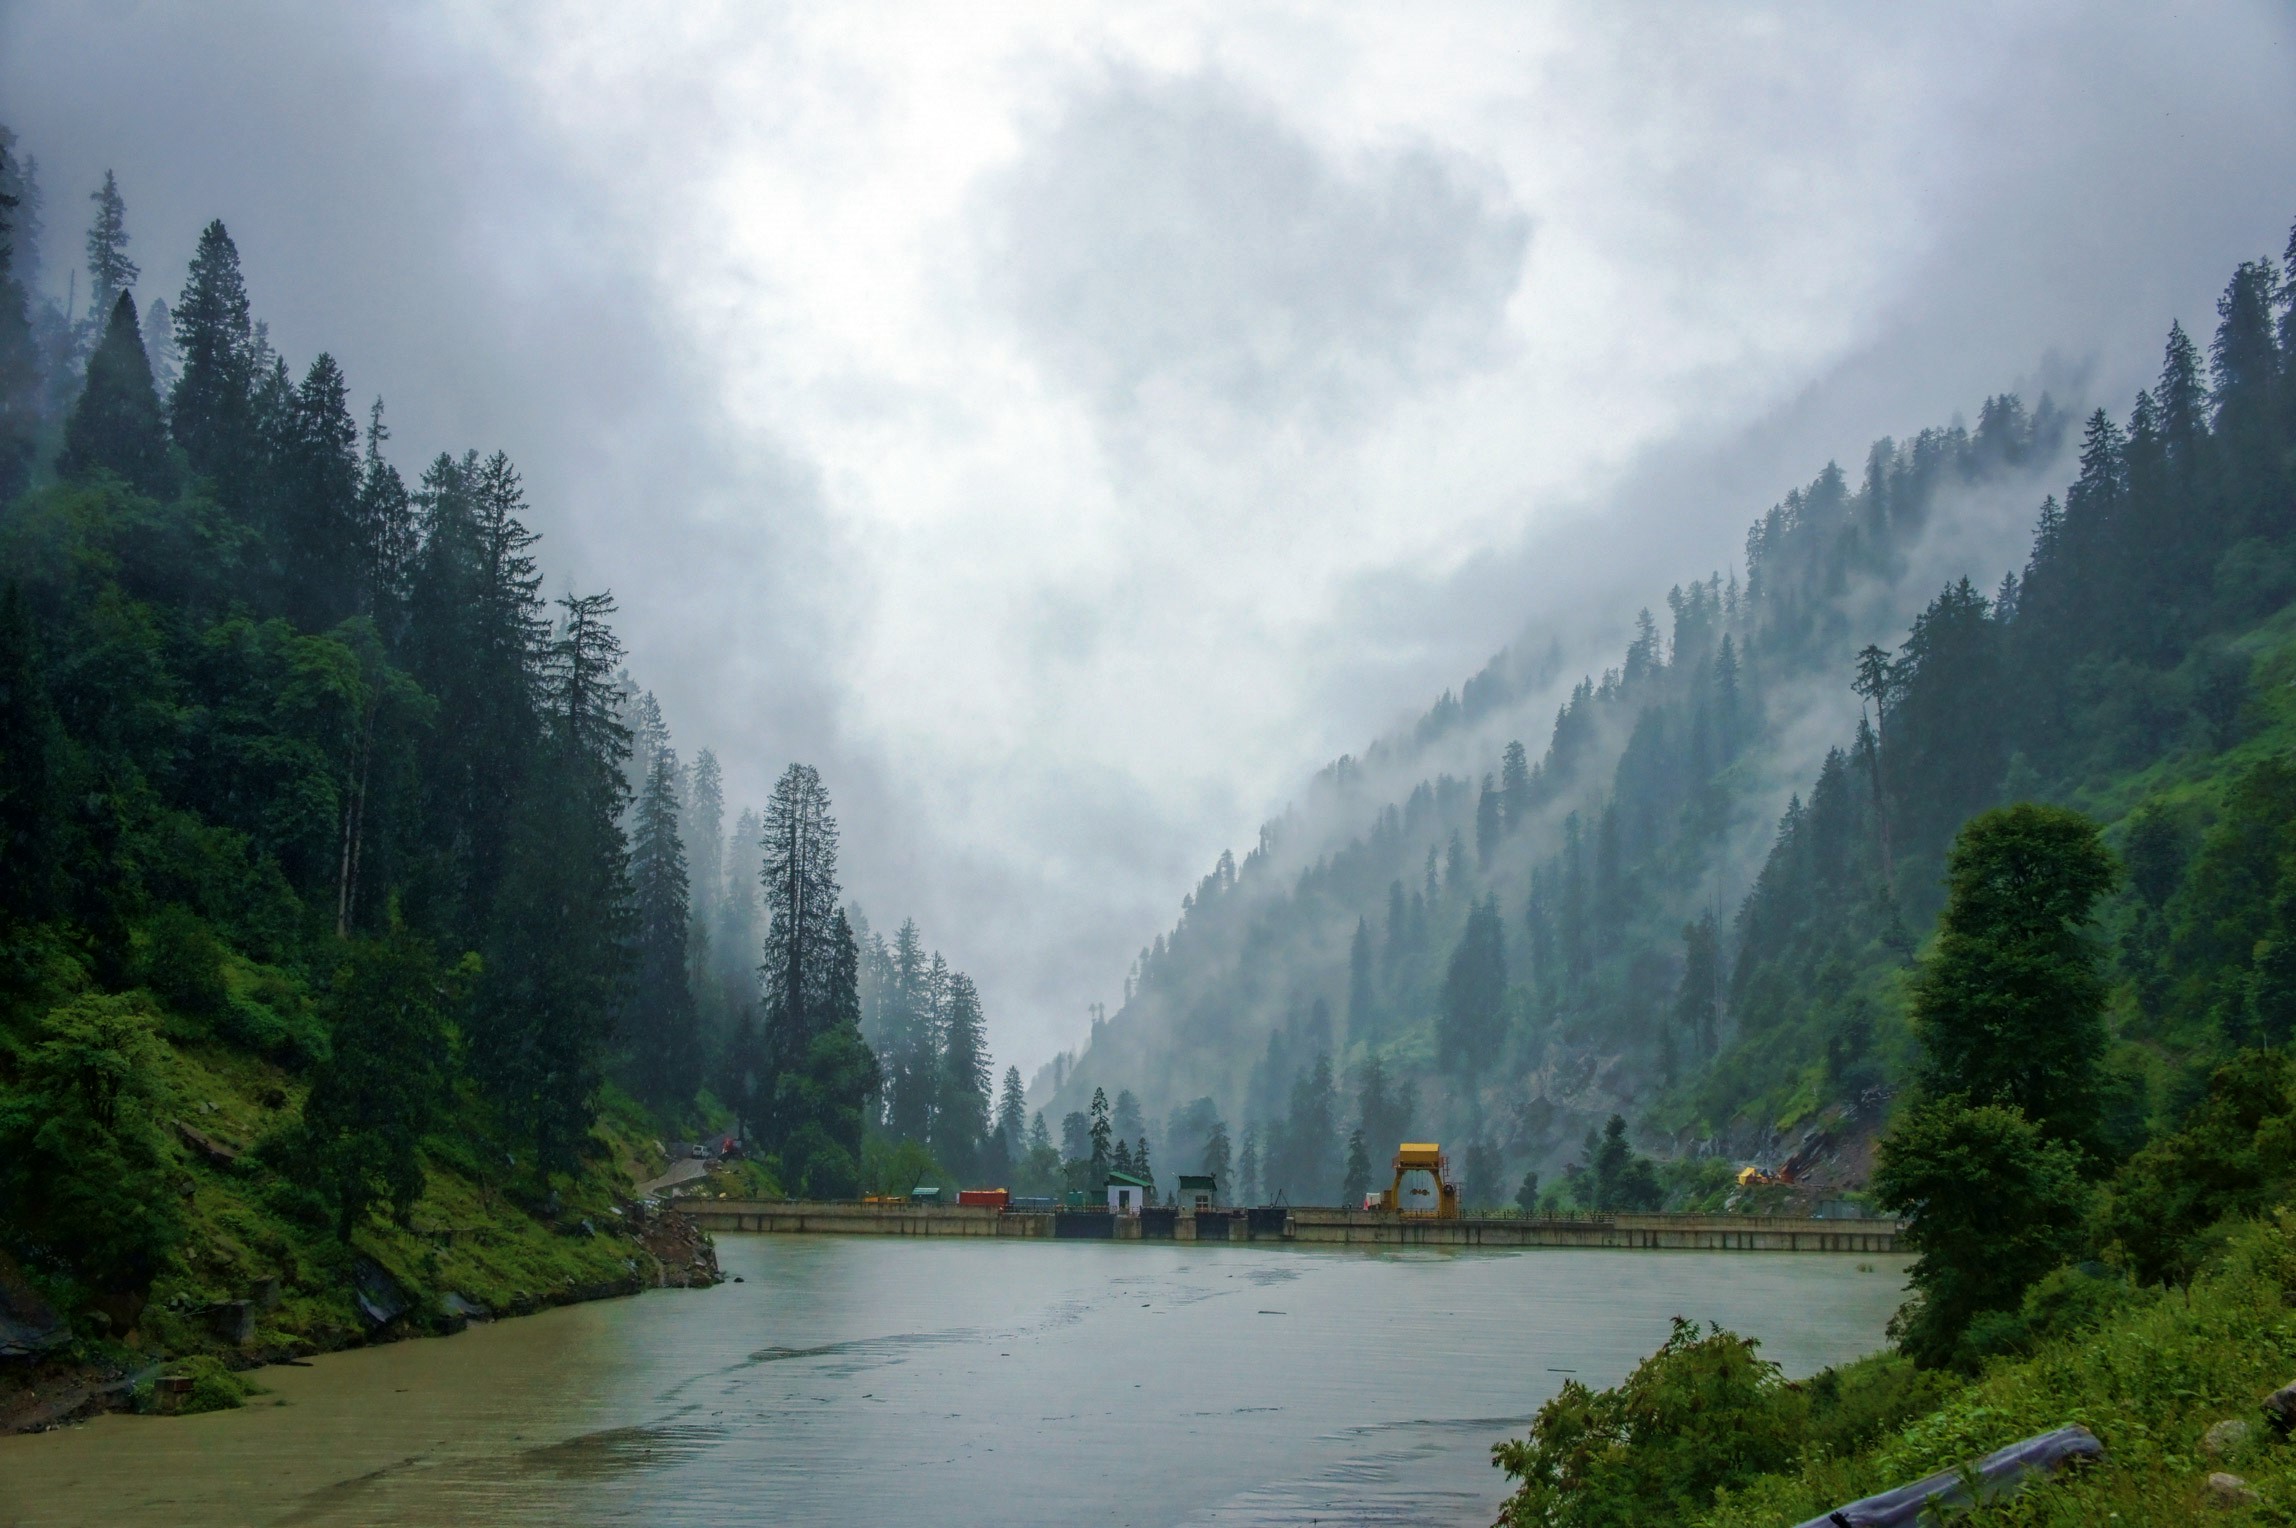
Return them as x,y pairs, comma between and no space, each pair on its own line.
851,1379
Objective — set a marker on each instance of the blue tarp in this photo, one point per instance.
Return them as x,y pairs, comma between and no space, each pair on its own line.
1998,1474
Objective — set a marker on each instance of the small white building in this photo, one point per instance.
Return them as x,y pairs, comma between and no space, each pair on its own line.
1198,1191
1128,1195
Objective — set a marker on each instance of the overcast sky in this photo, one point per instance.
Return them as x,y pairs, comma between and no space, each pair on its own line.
1069,427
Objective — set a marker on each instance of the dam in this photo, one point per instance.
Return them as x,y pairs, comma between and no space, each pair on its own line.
1302,1225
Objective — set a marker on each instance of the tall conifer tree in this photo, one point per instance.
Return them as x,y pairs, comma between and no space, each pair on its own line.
116,425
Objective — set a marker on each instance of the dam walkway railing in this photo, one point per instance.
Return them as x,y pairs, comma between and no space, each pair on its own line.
1302,1225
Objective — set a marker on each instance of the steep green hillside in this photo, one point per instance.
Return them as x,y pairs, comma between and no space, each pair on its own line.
346,946
1602,928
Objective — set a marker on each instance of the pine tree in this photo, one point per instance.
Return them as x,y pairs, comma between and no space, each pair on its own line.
799,881
31,775
559,962
1383,1104
1362,1001
316,530
474,640
823,1101
1216,1160
906,1036
116,425
212,410
1098,1134
962,1122
110,271
385,533
385,1082
1490,822
1698,1001
1472,1023
19,357
1515,786
1012,1111
1248,1185
2244,360
1355,1185
703,831
662,1038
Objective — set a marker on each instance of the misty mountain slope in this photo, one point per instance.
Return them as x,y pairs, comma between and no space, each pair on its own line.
1649,807
1632,924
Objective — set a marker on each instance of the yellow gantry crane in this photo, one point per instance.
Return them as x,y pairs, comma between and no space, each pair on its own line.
1423,1185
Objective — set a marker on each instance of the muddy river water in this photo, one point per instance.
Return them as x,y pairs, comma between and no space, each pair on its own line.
866,1380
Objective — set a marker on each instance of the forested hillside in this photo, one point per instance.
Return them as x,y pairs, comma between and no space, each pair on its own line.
358,918
1625,923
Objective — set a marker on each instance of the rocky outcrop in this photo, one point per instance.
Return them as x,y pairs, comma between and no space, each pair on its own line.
683,1253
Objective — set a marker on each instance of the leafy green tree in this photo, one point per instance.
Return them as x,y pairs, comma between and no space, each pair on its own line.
2235,1155
182,963
116,425
85,1169
1992,1202
1472,1022
2009,1005
1700,1415
385,1082
1527,1193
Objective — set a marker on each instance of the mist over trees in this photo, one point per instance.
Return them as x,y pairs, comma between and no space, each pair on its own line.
1668,917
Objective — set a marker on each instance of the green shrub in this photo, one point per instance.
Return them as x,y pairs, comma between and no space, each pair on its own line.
183,964
214,1385
1701,1414
85,1167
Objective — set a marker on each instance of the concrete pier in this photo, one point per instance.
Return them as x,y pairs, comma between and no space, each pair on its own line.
1303,1226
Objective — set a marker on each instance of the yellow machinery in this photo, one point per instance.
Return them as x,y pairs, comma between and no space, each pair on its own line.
1423,1185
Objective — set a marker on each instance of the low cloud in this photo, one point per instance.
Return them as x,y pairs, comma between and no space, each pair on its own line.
1163,235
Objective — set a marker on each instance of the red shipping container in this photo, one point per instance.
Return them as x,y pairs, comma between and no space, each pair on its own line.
992,1198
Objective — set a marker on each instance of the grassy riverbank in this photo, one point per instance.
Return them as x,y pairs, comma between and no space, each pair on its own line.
2150,1372
254,1269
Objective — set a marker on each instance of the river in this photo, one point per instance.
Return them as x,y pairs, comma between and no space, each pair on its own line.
859,1379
